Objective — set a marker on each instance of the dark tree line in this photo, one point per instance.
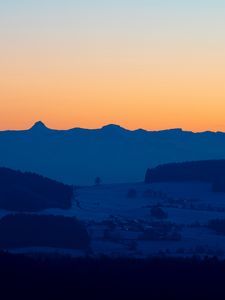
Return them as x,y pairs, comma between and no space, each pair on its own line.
212,171
29,230
30,192
45,277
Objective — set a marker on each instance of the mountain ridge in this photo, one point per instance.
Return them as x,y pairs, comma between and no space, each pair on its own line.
40,125
116,155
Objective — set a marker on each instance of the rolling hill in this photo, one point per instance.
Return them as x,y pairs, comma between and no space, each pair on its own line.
31,192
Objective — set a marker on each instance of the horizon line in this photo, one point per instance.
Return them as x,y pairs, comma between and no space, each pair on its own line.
43,125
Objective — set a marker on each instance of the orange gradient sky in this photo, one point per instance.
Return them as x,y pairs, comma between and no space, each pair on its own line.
150,64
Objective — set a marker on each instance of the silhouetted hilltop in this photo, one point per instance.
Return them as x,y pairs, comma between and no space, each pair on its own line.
212,171
30,192
28,230
39,126
113,153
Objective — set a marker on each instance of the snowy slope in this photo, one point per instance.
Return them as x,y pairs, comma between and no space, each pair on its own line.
118,224
189,206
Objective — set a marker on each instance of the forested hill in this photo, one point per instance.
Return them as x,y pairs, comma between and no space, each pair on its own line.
212,171
30,192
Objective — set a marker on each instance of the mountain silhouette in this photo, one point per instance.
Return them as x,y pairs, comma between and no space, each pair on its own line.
115,154
39,126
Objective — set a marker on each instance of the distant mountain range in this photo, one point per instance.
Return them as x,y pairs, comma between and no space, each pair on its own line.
115,154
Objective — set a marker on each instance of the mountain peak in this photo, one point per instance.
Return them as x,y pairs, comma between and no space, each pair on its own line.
39,126
113,127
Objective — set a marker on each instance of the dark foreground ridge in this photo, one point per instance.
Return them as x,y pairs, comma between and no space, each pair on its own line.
58,277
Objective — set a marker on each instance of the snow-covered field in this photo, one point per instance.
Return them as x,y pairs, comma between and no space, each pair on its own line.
124,226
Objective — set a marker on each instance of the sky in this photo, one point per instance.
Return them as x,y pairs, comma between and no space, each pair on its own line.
150,64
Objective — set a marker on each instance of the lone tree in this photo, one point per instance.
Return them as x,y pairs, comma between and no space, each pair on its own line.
98,181
148,176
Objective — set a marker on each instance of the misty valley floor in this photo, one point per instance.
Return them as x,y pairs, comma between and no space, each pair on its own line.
122,225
